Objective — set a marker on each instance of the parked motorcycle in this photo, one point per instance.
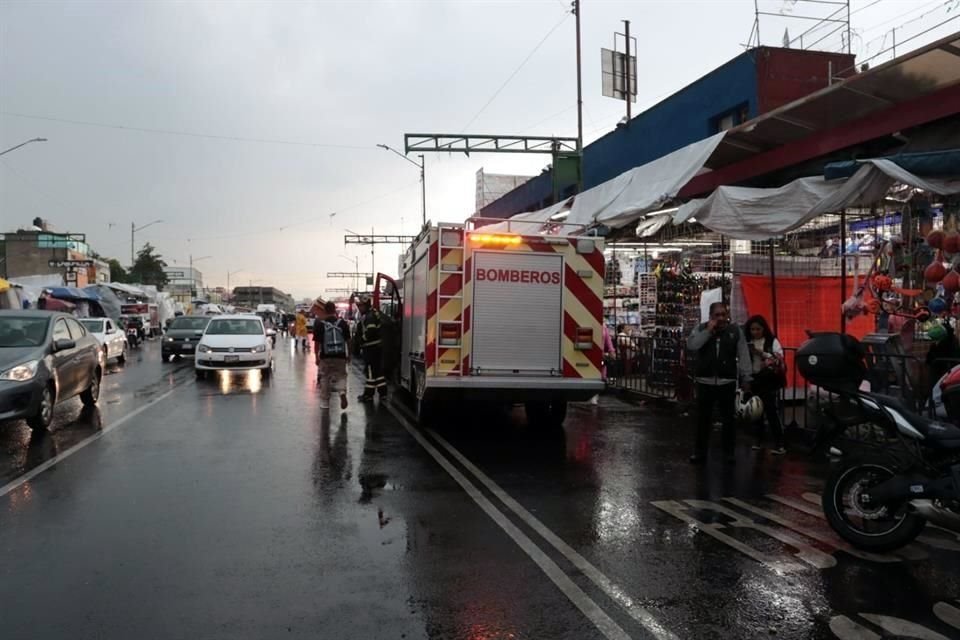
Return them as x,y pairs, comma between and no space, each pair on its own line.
900,469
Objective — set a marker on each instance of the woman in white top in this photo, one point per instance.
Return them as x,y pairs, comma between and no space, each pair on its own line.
766,353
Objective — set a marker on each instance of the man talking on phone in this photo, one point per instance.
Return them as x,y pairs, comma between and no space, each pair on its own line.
722,358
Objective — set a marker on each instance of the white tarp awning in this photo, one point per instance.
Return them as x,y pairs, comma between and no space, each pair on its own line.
624,199
531,222
746,213
650,225
126,288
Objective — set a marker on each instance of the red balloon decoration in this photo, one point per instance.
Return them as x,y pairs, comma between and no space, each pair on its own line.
951,243
951,282
935,239
935,272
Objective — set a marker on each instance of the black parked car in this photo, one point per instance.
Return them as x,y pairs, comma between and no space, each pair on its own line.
182,336
46,357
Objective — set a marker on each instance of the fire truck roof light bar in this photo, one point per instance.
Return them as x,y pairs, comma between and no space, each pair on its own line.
495,238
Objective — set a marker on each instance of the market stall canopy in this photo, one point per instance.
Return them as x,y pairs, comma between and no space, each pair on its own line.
626,198
648,227
622,200
745,213
127,289
927,164
531,222
72,293
109,301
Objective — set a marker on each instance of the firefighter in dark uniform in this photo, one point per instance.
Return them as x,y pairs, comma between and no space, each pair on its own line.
371,345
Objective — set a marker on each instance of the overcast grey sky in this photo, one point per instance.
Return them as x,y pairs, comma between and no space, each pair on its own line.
333,79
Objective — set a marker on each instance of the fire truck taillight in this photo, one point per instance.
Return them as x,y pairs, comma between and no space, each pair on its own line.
584,338
495,239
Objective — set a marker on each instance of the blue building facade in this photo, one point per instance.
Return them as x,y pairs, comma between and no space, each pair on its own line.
754,82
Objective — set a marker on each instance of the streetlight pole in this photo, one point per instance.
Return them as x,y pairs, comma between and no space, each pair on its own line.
356,270
423,176
22,144
133,230
231,273
193,279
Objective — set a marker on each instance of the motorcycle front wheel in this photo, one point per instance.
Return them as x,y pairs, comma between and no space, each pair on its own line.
868,526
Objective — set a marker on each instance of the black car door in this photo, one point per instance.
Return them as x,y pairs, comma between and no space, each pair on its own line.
64,362
88,353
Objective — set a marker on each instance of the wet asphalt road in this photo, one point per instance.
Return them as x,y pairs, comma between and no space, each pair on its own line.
233,508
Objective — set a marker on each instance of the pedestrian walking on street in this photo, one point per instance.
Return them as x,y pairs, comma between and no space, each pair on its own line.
371,345
722,358
769,376
300,330
331,339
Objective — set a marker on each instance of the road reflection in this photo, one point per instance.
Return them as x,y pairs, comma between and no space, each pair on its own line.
236,382
23,449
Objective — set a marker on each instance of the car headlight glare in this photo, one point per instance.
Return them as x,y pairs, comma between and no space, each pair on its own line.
204,349
260,348
168,339
22,372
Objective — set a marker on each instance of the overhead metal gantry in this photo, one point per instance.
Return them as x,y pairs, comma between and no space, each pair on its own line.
567,153
467,144
356,238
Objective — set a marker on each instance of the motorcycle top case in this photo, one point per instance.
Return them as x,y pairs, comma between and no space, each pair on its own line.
832,361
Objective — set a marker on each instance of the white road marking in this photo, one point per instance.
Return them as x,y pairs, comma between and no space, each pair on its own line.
902,628
793,503
933,541
813,557
909,552
813,534
33,473
614,592
679,511
846,629
948,614
604,623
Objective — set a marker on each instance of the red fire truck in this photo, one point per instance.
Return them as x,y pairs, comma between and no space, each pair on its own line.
511,317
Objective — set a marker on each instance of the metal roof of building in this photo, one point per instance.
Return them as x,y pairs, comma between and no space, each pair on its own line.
851,110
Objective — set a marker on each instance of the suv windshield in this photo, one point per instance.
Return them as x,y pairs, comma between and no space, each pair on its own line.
197,324
234,328
22,332
93,326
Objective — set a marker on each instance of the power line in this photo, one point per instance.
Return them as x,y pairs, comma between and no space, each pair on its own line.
262,232
516,71
188,134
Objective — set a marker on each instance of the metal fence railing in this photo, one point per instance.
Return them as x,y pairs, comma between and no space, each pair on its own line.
660,367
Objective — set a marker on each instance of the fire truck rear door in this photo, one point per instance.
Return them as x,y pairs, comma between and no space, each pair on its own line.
517,313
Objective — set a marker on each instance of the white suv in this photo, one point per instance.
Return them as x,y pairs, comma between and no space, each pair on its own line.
234,342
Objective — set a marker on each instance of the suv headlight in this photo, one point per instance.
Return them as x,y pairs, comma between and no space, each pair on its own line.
260,348
168,339
204,349
22,372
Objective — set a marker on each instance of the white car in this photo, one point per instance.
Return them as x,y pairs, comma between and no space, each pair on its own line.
234,342
112,341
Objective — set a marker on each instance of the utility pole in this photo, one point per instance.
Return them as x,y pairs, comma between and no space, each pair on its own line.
576,13
133,230
423,188
628,70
